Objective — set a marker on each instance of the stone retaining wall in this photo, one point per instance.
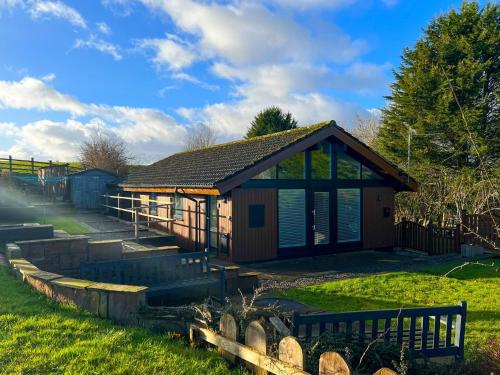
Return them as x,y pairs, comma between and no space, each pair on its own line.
58,255
120,303
11,233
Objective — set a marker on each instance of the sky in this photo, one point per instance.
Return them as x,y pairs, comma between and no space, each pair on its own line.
149,71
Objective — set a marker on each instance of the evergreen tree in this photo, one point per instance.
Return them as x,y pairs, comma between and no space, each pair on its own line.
271,120
453,67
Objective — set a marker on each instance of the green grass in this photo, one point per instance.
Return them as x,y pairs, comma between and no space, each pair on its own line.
38,336
66,223
478,285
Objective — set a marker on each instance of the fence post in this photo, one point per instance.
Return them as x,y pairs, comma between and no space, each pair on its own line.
460,329
430,238
10,164
404,228
32,166
385,371
136,223
229,329
255,337
333,363
291,352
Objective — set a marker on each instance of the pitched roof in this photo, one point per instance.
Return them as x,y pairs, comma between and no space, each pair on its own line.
205,167
211,166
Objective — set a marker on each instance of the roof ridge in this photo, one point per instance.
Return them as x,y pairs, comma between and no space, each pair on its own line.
312,128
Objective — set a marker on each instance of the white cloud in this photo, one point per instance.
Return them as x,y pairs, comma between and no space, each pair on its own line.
32,93
245,33
49,77
232,119
170,52
312,4
150,134
57,9
100,45
7,128
103,28
189,78
269,57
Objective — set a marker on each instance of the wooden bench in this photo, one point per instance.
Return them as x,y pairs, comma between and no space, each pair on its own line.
164,275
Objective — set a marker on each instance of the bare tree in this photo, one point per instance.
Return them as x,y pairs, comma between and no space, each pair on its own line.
366,129
199,136
105,153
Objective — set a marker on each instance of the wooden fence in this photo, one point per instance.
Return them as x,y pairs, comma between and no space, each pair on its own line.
411,326
431,239
483,230
290,358
27,167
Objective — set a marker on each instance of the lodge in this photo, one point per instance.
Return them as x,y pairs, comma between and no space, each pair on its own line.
306,191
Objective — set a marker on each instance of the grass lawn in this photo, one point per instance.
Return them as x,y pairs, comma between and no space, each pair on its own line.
38,336
66,223
479,286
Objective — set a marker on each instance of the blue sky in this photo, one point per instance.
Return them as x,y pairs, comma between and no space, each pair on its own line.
150,71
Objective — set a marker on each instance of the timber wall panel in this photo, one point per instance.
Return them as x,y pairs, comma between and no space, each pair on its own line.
378,231
251,244
225,221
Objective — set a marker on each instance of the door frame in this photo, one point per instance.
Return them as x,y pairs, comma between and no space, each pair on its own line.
310,220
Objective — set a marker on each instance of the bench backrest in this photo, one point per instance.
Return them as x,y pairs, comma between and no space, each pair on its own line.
431,331
148,271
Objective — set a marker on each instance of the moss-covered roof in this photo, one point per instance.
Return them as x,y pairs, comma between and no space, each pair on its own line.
204,168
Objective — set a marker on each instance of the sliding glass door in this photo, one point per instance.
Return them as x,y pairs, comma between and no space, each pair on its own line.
291,217
348,215
321,217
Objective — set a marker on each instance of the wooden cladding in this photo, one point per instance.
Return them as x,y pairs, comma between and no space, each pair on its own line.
378,217
171,190
252,244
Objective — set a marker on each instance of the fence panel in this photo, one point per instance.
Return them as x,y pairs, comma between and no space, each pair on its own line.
397,326
431,239
483,230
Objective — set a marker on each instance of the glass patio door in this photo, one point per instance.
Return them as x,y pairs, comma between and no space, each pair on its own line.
321,218
214,224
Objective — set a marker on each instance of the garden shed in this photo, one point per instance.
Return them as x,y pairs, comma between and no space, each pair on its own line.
306,191
87,187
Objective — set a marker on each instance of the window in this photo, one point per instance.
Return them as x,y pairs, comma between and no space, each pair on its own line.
292,168
292,217
153,206
178,207
347,167
214,222
368,174
348,215
256,215
268,174
320,161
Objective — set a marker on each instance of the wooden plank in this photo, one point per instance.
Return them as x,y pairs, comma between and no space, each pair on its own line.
291,352
247,354
279,326
228,329
385,371
437,327
255,337
332,363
